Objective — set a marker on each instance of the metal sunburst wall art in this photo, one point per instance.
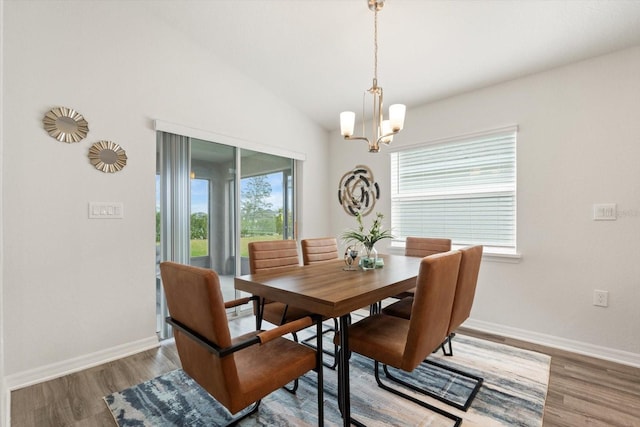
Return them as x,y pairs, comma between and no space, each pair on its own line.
358,191
107,156
65,124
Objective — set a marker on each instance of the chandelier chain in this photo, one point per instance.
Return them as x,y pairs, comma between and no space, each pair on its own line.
375,46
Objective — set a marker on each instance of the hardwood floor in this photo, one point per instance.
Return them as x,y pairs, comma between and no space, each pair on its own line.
582,391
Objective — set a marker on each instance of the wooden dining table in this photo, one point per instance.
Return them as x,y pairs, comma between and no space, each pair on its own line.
331,291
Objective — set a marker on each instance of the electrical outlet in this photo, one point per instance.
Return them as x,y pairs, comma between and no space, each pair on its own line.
601,298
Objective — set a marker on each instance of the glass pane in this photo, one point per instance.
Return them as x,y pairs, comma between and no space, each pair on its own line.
266,203
212,205
199,217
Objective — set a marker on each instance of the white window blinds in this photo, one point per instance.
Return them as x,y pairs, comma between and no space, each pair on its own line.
462,189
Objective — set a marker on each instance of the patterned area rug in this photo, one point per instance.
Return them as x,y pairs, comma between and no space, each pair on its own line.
513,394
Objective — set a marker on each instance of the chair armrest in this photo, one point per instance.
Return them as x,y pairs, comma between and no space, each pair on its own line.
256,339
211,346
287,328
240,301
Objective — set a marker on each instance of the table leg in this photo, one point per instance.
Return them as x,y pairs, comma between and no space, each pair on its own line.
343,371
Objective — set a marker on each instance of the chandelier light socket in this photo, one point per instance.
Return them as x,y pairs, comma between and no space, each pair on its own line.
396,116
375,5
347,122
386,130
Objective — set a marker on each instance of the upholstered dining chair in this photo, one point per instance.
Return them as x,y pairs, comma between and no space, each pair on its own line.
321,249
238,372
422,247
405,343
463,301
465,289
273,255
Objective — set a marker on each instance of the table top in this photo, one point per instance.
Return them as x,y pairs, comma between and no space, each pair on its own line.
327,289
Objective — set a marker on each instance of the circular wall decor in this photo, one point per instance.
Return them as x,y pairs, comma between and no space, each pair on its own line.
107,156
65,124
358,191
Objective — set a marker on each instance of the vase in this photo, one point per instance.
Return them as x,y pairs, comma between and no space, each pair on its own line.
369,259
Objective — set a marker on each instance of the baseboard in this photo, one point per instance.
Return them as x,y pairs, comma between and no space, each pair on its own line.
55,370
586,349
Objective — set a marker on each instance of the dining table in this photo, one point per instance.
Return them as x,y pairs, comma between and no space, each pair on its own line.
333,291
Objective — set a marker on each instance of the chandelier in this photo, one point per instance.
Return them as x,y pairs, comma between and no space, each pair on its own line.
382,130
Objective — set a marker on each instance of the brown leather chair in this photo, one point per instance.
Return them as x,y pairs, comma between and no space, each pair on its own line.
465,289
422,247
405,343
425,246
237,372
319,250
463,301
274,255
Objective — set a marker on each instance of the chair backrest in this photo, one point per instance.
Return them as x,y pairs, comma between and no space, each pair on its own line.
432,305
466,287
425,246
319,250
273,255
194,299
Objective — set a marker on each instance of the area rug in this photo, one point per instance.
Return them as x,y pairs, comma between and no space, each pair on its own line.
513,394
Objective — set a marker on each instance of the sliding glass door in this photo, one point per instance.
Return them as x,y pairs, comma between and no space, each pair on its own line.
212,200
266,200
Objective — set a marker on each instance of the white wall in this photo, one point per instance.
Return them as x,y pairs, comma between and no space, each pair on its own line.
74,288
3,388
578,144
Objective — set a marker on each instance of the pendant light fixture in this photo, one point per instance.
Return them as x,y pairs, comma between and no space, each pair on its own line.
382,130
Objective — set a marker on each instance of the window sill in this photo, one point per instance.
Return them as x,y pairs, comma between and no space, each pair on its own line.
491,254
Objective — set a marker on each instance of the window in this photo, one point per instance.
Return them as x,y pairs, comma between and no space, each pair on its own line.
463,189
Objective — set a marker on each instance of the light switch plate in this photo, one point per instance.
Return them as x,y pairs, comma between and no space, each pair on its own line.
106,210
604,212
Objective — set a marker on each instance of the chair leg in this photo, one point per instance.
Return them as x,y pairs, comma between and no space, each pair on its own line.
463,407
293,389
283,320
457,420
479,381
259,308
447,342
234,421
306,341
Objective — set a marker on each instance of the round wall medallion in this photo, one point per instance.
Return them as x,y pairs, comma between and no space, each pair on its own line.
357,191
65,124
107,156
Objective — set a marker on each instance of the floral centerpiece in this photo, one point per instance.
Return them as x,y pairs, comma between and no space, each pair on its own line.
368,239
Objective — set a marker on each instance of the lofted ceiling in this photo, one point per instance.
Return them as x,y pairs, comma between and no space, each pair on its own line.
318,54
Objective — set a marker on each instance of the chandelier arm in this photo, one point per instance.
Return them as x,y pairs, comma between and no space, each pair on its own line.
380,139
360,138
